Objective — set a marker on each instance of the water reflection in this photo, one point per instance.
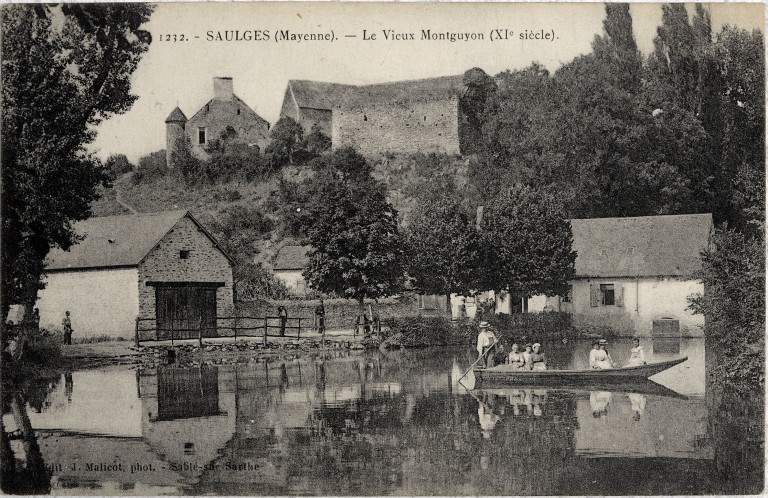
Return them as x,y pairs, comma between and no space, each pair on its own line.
395,423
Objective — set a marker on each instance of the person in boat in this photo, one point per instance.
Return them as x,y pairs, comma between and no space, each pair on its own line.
500,356
485,341
636,354
527,354
538,361
516,359
599,359
598,402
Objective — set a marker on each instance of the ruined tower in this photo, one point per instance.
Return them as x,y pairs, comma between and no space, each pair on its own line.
174,130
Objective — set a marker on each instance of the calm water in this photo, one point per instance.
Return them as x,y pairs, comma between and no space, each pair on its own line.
395,423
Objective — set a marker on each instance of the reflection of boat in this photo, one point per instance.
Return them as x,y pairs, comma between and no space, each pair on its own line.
582,390
511,375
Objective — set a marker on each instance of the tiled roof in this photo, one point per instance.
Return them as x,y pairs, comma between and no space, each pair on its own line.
320,95
292,258
176,116
640,246
117,241
214,102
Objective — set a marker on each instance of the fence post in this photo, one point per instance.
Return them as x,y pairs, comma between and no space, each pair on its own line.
136,334
299,336
265,330
200,333
235,327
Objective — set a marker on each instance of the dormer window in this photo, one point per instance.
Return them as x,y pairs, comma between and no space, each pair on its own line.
201,138
184,254
238,111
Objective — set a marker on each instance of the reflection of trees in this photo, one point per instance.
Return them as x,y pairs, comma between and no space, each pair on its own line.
33,477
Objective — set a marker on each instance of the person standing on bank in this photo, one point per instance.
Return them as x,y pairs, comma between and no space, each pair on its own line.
67,324
282,314
320,317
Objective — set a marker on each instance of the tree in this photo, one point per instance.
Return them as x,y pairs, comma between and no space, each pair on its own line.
526,244
357,250
316,142
65,68
117,165
442,249
285,139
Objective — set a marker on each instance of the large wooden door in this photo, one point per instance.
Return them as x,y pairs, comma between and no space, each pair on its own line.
182,312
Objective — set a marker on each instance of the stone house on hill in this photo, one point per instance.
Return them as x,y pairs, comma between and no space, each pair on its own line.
225,113
631,272
406,116
289,264
164,267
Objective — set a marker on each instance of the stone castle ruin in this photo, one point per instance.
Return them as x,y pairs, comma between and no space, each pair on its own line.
429,115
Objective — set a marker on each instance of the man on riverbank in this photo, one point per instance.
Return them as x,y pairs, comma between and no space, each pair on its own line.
320,317
66,323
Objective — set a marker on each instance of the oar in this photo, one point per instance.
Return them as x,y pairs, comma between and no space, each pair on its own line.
478,359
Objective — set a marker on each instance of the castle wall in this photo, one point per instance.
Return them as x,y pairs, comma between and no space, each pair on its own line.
415,126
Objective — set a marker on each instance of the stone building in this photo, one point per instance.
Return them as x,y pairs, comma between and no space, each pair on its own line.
427,115
225,115
163,267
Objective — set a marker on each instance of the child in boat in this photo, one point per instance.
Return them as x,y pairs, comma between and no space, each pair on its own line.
599,358
516,359
538,361
636,354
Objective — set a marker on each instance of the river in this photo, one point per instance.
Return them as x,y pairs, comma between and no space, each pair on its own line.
394,423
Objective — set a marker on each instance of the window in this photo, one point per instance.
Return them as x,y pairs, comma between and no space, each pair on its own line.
201,136
184,254
568,297
365,118
238,112
608,297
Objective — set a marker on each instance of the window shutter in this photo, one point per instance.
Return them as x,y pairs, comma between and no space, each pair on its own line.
619,295
594,295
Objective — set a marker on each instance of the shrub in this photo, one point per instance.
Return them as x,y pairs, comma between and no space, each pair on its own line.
117,165
151,167
42,347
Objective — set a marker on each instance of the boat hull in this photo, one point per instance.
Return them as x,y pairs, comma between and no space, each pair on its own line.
506,374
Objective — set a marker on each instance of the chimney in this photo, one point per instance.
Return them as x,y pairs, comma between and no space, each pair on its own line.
222,88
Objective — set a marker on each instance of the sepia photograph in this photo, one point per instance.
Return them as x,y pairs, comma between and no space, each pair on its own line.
383,249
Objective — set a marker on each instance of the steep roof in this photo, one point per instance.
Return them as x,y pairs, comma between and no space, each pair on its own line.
214,102
321,95
118,241
292,258
640,246
176,116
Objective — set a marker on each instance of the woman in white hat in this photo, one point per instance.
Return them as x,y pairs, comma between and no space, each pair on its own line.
599,359
537,359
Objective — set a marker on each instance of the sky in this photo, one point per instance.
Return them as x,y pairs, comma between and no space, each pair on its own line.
181,73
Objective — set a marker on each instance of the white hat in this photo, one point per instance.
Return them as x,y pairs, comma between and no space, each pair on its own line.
484,325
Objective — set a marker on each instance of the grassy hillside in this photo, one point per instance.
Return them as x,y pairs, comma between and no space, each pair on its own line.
404,175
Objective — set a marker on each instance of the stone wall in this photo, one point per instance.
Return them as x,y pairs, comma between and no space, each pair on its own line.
414,126
204,264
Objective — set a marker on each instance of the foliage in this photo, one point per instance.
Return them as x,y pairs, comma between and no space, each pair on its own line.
184,161
285,139
316,142
442,247
357,251
293,206
65,68
253,281
423,331
42,347
733,304
117,165
150,167
526,244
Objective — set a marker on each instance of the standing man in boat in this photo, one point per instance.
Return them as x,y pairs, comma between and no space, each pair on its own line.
485,341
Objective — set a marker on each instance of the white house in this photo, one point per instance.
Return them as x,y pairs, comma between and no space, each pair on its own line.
632,271
162,267
289,264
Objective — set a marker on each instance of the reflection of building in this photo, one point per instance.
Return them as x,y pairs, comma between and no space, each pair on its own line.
161,266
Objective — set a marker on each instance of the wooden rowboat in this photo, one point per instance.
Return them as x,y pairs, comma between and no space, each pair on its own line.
508,375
